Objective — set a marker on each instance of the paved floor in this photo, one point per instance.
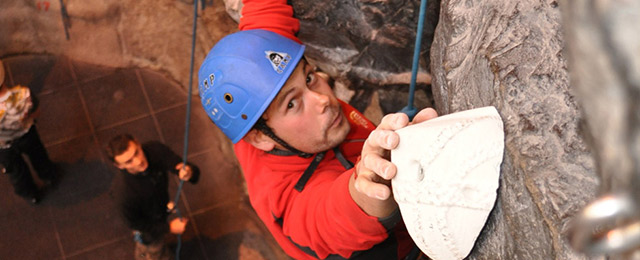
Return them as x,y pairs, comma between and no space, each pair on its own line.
82,107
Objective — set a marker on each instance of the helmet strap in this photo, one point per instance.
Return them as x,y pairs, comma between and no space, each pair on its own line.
262,126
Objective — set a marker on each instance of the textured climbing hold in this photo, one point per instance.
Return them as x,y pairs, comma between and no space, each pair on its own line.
447,180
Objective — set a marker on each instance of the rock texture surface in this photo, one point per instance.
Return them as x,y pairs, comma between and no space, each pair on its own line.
370,53
151,34
603,43
509,54
370,48
607,81
367,47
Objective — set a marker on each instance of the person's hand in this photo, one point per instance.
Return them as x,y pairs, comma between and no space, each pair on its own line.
171,207
374,170
178,225
184,173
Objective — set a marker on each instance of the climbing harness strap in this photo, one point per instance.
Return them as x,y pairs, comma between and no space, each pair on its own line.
279,152
309,171
345,163
262,126
306,175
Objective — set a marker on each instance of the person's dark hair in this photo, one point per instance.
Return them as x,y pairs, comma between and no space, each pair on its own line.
118,145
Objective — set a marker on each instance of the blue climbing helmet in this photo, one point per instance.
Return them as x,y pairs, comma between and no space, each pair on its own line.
242,74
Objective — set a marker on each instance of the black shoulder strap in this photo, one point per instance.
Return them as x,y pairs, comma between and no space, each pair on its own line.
309,171
345,163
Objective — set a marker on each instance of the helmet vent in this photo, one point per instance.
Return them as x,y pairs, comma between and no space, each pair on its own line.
228,98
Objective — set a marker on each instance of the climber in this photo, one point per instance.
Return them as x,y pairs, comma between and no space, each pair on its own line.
317,170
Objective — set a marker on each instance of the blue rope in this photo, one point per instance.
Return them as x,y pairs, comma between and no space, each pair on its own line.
409,109
187,123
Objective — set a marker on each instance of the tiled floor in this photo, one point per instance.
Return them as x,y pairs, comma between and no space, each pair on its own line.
82,107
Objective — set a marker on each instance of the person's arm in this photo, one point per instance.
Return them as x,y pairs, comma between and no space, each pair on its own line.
30,102
270,15
348,214
324,219
370,185
171,162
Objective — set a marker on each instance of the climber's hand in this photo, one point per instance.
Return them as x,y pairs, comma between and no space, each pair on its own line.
424,115
373,173
374,170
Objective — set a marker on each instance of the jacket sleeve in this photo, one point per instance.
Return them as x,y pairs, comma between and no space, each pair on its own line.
271,15
325,218
169,160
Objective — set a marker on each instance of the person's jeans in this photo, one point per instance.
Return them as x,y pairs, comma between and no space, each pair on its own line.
17,169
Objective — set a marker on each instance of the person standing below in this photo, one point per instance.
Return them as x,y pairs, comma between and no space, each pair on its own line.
18,135
317,171
145,202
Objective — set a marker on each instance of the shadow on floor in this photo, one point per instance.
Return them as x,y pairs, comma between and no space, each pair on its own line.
82,107
80,181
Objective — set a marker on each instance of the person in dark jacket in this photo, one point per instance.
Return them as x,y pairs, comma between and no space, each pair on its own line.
145,197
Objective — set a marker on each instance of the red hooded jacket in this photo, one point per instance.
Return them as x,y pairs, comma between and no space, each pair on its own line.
322,221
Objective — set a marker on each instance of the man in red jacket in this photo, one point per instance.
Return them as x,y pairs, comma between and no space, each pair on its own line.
317,170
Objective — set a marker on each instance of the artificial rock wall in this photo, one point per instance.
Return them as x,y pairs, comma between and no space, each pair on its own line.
374,48
367,48
509,54
603,49
117,33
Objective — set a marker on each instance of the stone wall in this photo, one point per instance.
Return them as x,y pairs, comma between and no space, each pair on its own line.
509,54
369,57
151,34
603,49
604,46
367,47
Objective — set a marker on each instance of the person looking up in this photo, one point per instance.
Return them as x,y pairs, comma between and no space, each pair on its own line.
145,202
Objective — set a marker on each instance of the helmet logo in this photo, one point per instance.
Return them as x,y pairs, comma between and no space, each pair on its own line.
278,60
210,82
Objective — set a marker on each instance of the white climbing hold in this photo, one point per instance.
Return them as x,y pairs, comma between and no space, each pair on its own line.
447,179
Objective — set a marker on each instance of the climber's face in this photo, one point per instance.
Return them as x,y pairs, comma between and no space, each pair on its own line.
306,114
